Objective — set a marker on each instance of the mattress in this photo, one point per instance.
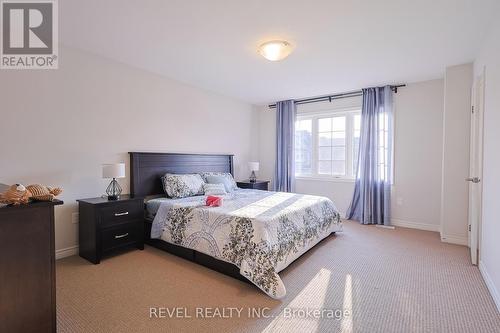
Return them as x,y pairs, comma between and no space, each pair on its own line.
260,232
152,205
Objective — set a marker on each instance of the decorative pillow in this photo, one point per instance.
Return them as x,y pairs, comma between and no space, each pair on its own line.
214,189
213,201
231,183
181,186
221,180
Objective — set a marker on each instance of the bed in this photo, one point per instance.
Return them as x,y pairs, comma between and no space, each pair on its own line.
252,237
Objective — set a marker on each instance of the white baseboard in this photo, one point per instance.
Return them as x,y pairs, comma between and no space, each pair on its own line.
390,227
67,252
489,283
414,225
455,240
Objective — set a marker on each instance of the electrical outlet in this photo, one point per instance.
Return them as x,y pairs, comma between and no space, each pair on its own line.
74,218
399,201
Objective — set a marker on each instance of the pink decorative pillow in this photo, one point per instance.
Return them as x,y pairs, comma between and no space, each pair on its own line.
213,201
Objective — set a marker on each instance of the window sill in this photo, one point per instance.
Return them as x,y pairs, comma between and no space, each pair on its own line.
326,179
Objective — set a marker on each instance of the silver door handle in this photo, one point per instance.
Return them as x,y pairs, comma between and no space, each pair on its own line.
121,214
475,180
121,236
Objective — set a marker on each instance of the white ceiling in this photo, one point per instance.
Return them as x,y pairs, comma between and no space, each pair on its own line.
339,45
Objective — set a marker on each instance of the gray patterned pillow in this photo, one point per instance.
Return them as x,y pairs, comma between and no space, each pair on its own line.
214,189
181,186
226,175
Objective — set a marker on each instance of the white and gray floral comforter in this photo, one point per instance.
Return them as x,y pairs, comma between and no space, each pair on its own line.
260,232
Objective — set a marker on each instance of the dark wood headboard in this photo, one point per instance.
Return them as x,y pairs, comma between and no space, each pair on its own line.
146,169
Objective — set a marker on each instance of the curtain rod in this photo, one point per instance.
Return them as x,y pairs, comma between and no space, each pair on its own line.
335,96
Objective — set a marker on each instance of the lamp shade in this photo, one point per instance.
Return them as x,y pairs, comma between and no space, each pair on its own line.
113,170
253,166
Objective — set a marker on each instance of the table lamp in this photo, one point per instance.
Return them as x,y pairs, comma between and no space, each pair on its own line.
253,166
113,171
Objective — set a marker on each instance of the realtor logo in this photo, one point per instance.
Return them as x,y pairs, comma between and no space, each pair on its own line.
29,34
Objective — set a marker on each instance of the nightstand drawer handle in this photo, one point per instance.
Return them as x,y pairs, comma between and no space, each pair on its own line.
121,214
121,236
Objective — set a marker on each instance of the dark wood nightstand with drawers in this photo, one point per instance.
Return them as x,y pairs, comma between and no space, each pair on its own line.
106,226
257,185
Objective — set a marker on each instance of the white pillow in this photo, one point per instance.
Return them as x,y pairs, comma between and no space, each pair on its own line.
214,189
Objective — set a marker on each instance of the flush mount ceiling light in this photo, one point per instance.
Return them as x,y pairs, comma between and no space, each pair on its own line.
275,50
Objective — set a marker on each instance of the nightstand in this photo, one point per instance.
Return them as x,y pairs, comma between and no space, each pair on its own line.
257,185
106,226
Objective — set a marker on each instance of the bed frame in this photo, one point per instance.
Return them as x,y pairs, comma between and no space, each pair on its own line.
145,172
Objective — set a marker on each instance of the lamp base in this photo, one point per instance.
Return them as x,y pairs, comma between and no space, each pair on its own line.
114,190
253,178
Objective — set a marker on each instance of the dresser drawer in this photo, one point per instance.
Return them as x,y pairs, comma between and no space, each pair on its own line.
121,212
120,236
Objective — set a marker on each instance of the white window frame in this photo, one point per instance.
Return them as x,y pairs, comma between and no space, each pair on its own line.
314,116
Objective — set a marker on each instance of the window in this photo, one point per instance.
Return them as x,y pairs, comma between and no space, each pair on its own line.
355,141
303,146
383,147
326,144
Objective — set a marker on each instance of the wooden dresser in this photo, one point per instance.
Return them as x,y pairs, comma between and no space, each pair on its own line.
27,268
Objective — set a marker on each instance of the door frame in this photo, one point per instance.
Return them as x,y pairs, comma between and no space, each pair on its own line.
476,167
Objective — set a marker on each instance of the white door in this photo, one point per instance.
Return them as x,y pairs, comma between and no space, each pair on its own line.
476,167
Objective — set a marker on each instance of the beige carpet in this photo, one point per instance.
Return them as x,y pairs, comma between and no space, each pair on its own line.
399,280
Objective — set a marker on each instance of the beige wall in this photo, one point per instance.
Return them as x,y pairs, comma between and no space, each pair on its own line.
59,126
418,130
456,138
489,252
417,149
267,143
